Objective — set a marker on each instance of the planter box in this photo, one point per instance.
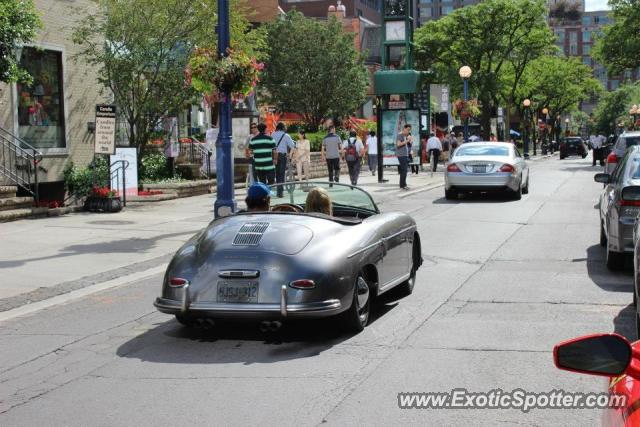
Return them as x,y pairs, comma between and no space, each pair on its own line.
102,204
182,189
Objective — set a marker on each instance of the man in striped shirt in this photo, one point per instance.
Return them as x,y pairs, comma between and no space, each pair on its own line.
263,148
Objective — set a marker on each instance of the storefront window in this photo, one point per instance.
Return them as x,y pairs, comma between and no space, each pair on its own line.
41,104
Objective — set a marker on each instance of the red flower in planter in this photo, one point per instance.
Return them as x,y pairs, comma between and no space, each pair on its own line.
102,192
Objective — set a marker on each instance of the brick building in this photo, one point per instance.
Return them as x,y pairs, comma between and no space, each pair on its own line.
52,114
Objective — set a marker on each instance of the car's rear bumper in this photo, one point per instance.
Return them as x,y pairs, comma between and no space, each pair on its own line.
623,241
250,311
470,182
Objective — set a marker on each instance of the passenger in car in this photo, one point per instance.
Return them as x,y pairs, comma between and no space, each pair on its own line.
258,197
318,200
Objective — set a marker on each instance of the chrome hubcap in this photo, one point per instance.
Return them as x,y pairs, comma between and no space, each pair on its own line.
362,299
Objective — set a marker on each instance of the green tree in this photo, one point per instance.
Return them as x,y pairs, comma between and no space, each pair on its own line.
557,83
141,47
313,69
494,38
613,108
619,47
19,23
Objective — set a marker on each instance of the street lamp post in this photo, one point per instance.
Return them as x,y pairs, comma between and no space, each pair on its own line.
526,103
465,73
225,203
545,112
566,127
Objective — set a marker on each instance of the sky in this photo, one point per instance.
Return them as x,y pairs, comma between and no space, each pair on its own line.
596,5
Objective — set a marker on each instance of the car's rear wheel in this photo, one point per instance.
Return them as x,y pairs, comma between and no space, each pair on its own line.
406,287
517,194
615,260
356,317
450,194
525,190
603,237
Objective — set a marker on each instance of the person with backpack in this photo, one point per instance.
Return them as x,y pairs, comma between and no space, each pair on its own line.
353,149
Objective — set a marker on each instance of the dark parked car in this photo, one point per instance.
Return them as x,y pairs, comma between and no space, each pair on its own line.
573,146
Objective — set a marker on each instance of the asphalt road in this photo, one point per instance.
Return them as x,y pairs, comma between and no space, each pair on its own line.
502,282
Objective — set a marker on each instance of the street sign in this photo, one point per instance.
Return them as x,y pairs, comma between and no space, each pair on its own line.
105,133
423,99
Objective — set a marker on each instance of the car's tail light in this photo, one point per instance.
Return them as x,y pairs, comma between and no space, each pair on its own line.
453,168
177,282
303,284
506,168
623,202
612,158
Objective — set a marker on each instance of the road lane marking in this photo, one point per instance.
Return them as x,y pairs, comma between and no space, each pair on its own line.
80,293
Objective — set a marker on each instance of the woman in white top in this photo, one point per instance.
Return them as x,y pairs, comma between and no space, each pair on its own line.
302,156
372,151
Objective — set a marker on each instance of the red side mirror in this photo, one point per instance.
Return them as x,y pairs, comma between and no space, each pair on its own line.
600,354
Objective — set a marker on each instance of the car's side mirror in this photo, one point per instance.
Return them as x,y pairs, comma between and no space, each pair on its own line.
601,354
604,178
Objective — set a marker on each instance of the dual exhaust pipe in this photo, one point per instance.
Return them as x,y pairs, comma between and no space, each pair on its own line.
270,326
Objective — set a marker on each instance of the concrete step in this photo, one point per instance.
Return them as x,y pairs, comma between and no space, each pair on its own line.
10,203
7,191
15,214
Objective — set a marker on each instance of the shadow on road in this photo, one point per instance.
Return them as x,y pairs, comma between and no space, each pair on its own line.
242,342
477,197
625,323
585,168
128,246
598,272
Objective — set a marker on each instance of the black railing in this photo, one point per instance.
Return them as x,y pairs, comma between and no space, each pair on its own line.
115,173
19,163
196,152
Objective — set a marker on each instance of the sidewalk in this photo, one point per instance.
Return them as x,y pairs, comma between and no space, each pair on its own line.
43,258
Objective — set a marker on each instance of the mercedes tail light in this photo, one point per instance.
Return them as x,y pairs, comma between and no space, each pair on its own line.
506,168
177,282
612,158
453,168
303,284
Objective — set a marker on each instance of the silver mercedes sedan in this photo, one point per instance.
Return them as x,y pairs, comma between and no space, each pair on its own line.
484,167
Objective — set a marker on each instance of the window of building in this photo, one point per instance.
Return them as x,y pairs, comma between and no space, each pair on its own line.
586,49
41,120
447,10
586,36
573,43
614,84
586,60
396,57
425,12
560,36
586,20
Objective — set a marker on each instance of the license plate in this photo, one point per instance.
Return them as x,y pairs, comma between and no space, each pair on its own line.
478,168
238,292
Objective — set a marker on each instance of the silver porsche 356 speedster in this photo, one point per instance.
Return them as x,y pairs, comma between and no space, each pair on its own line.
288,264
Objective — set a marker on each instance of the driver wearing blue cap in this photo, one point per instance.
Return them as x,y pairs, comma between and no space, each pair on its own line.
258,197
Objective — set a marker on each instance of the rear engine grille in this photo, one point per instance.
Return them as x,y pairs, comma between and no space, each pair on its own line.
250,234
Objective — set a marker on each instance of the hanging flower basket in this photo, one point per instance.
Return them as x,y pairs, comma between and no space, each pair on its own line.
465,109
211,75
102,199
